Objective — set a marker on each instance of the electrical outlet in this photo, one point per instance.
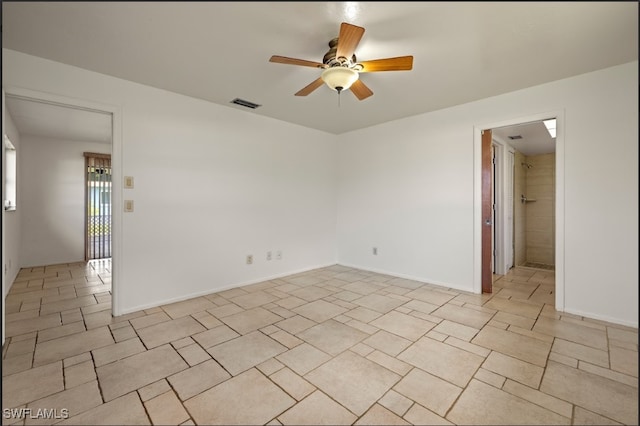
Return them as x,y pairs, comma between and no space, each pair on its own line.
128,206
128,182
375,251
279,255
249,259
269,255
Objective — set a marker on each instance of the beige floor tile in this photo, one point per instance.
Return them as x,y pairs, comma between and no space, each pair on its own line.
363,314
319,310
378,303
79,374
605,372
581,352
515,307
295,324
466,346
513,344
67,346
169,331
166,409
22,315
389,362
249,398
293,384
253,300
117,351
270,366
388,343
353,381
572,332
42,322
595,393
153,390
462,332
188,307
461,315
290,302
149,320
98,319
74,401
310,294
19,388
64,305
624,361
194,354
418,415
126,375
215,336
490,378
542,399
403,325
61,331
16,364
288,340
250,320
378,415
399,404
438,358
430,391
513,368
586,417
303,358
332,337
517,320
347,296
317,409
20,347
247,351
126,410
623,335
430,296
225,310
506,409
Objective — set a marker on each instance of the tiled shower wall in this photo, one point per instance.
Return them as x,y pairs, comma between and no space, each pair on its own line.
540,214
534,221
519,210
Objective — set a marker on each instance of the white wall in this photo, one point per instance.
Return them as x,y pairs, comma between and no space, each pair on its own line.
212,185
52,199
407,187
12,219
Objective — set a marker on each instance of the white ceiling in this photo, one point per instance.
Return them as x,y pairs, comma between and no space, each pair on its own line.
535,140
217,51
59,122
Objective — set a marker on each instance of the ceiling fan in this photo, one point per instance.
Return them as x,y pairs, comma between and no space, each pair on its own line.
341,68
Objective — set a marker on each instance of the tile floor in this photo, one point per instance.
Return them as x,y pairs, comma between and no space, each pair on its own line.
329,346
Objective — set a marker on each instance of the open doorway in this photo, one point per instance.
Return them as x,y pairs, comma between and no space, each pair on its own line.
528,171
528,179
56,132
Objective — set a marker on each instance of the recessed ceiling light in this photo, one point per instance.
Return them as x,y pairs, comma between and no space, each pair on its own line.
551,127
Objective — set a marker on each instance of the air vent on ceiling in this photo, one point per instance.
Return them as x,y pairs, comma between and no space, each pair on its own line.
515,137
244,103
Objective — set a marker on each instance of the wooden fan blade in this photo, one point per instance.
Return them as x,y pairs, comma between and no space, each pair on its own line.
401,63
310,88
348,40
361,90
294,61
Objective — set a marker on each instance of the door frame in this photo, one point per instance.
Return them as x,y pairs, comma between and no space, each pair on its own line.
559,115
116,173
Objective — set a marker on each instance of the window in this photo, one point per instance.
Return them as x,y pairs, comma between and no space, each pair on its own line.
9,175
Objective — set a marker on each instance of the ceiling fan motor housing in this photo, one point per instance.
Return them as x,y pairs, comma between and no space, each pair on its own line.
331,59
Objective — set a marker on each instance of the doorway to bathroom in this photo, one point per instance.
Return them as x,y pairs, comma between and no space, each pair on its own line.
529,175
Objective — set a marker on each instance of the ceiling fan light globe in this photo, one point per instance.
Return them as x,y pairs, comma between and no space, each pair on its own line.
339,77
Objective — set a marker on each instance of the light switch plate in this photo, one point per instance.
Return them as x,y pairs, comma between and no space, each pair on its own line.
128,206
128,182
